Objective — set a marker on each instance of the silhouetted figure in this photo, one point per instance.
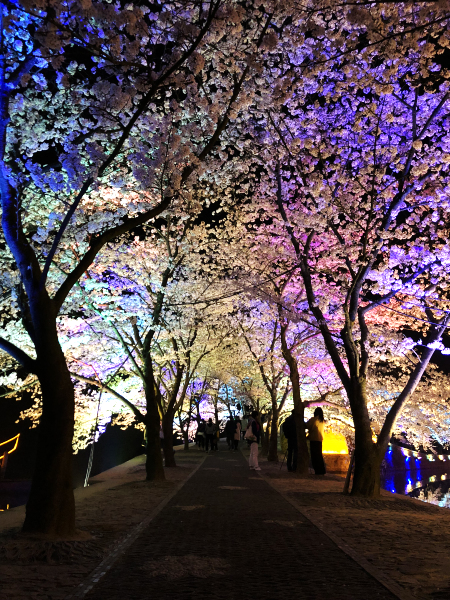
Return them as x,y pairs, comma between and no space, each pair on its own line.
290,433
201,434
230,428
210,431
315,427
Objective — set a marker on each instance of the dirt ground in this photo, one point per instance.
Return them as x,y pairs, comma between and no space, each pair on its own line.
115,502
405,541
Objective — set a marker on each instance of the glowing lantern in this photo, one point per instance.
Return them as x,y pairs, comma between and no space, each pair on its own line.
334,443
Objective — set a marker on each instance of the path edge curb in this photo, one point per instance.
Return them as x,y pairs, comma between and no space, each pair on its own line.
102,569
376,573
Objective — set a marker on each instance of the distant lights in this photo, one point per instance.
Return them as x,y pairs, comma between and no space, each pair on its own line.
407,453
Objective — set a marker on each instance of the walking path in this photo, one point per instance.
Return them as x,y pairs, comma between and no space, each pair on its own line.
227,534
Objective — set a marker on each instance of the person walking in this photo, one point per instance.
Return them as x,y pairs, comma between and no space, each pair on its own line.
201,434
230,428
290,433
315,427
237,433
252,435
210,432
216,438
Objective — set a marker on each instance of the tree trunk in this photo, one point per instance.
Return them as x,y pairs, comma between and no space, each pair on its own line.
154,463
169,454
273,439
368,456
366,479
299,407
51,507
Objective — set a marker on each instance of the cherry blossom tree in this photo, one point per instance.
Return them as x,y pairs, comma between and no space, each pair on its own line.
357,197
143,303
111,117
93,98
260,330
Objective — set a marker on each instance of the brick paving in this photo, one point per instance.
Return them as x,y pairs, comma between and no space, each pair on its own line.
228,535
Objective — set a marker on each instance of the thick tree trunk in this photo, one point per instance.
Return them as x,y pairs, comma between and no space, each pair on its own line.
273,439
186,440
368,456
154,464
169,454
366,479
299,407
51,508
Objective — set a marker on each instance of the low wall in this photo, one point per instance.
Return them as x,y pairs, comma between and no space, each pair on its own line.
336,463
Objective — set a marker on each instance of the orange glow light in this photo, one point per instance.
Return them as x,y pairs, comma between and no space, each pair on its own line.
334,443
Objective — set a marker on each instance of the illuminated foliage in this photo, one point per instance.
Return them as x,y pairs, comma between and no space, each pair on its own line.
320,129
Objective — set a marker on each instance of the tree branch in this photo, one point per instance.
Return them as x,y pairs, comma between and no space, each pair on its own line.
22,357
97,244
140,417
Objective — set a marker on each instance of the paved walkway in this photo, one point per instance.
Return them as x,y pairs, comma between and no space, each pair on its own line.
228,535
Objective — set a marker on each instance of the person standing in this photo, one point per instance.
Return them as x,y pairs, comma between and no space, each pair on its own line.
230,428
201,434
252,435
237,434
217,437
244,423
290,433
210,432
315,427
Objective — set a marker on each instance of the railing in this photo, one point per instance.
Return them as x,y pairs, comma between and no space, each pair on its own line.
6,453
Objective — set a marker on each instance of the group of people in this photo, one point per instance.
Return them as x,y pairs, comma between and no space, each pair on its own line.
208,436
233,429
315,427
